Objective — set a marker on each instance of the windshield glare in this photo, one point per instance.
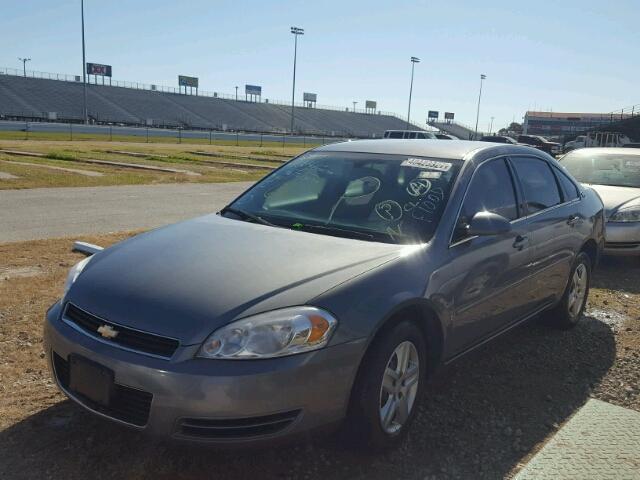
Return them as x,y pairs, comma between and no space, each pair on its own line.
604,168
391,198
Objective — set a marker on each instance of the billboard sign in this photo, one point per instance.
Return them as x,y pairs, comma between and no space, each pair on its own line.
253,90
98,69
448,115
433,114
185,81
370,104
309,97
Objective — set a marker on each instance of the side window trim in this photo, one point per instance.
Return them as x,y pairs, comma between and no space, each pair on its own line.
516,192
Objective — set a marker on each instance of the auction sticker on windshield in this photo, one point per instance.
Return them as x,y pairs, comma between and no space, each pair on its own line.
427,164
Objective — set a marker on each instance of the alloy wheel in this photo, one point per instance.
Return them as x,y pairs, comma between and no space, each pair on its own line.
399,387
578,291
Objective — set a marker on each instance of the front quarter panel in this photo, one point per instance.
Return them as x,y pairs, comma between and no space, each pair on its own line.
364,303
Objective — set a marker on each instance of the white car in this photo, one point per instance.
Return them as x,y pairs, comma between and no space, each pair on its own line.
409,134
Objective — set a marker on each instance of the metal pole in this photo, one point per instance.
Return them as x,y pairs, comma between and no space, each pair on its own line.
296,31
482,77
410,93
84,68
236,94
354,106
491,127
293,89
24,65
414,60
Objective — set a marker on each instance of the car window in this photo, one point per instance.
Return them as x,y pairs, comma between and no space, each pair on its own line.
539,185
569,189
604,168
395,134
390,198
491,190
411,135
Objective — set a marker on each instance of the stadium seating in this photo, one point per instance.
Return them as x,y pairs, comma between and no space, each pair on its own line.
36,98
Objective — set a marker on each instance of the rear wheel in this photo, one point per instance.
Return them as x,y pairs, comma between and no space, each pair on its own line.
571,307
388,386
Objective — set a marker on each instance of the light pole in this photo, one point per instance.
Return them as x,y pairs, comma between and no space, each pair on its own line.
84,68
482,77
236,93
354,106
296,31
24,65
491,127
414,60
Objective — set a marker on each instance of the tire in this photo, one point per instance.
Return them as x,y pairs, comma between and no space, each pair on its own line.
375,391
569,310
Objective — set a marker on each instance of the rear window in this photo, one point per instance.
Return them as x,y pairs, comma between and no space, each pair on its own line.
538,184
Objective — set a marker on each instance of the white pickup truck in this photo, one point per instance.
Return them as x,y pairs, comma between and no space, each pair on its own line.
597,139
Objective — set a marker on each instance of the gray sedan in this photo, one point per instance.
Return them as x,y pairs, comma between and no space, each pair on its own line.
328,291
615,174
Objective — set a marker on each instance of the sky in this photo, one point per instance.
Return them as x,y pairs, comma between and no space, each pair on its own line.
562,55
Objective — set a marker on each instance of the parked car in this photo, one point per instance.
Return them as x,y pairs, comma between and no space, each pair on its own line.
615,174
498,139
541,143
409,134
329,290
597,139
445,136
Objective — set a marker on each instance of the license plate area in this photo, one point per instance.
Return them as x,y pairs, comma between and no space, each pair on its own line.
91,380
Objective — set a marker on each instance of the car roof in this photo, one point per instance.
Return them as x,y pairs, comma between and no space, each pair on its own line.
458,150
619,150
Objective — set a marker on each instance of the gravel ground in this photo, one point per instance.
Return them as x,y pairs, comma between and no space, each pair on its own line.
482,417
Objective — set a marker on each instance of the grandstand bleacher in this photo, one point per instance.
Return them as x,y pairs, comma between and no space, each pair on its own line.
31,98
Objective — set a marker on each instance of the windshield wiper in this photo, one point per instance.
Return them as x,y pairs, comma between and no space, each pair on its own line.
342,232
248,216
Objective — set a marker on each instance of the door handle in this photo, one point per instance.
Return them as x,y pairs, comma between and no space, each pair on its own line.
520,242
573,220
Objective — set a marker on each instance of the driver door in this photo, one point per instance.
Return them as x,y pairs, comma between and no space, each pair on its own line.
490,290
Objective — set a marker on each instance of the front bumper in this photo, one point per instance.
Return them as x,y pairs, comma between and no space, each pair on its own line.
623,239
212,401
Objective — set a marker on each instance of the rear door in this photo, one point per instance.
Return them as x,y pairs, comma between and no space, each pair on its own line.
553,214
489,273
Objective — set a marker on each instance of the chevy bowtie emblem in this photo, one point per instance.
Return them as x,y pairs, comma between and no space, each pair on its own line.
107,331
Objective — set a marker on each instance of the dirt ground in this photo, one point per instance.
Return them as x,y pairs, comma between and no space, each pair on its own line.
483,417
67,156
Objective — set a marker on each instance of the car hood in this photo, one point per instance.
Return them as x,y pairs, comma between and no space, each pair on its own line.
186,280
614,197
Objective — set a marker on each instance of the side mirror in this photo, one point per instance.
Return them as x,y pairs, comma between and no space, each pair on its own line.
488,223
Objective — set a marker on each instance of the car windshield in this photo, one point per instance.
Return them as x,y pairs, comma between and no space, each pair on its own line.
385,198
604,168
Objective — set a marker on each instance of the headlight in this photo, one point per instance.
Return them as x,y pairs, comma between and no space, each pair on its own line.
629,214
271,334
73,274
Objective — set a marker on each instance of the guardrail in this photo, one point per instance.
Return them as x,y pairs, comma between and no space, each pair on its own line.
80,131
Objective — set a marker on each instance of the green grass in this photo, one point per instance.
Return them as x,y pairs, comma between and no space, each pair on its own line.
60,156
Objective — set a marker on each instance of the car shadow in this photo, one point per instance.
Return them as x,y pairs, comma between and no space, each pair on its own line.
480,418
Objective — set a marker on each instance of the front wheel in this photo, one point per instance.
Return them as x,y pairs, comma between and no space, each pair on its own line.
388,386
571,307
